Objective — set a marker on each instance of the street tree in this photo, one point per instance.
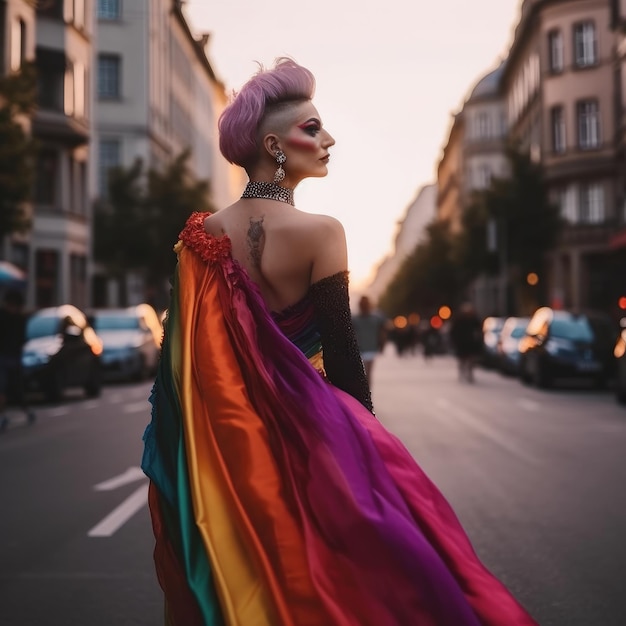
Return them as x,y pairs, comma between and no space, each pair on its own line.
526,222
119,222
172,195
138,223
427,278
17,149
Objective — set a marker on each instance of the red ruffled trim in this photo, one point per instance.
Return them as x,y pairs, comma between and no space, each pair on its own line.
209,247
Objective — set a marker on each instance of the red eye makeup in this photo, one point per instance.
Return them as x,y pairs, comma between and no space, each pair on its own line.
312,126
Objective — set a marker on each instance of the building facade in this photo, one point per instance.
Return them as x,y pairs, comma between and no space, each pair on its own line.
410,232
17,45
474,153
157,95
560,86
60,241
617,242
450,176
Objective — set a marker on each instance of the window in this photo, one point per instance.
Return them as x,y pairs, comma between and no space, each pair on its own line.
18,44
482,126
558,129
483,176
46,177
78,281
79,90
109,156
567,200
50,90
182,126
51,70
77,171
69,91
181,65
46,277
592,204
109,76
75,90
585,44
108,9
588,124
51,8
503,125
555,50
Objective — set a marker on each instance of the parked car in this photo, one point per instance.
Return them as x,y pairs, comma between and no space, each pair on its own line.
492,327
508,344
132,340
606,331
619,353
62,350
562,344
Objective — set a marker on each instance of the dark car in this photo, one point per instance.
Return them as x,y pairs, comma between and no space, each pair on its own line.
509,355
562,344
62,350
619,353
131,340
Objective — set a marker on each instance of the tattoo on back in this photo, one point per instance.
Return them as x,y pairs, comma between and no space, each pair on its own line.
256,241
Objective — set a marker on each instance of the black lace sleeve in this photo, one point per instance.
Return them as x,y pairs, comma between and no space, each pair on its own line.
342,359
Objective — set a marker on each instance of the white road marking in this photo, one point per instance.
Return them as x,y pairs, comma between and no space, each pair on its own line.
115,398
528,405
131,475
90,404
120,515
57,412
136,407
484,429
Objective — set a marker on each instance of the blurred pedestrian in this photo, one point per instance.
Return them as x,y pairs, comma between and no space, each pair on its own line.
467,340
371,334
431,341
12,338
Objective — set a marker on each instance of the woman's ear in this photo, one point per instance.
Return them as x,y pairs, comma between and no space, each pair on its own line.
271,144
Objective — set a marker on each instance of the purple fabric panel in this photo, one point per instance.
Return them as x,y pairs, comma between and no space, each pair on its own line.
347,496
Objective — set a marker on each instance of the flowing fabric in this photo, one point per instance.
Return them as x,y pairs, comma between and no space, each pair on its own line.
278,499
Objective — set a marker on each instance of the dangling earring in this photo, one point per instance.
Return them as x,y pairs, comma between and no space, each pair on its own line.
279,174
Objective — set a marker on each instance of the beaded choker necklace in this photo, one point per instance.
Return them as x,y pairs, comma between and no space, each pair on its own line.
268,191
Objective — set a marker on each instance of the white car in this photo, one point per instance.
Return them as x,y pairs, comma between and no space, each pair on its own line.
131,340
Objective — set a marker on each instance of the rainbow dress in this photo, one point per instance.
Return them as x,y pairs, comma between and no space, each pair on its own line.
276,498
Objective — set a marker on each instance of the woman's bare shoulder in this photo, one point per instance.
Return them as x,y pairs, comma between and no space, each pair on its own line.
214,222
329,251
322,225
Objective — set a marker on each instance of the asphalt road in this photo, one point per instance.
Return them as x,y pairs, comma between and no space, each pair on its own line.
535,477
52,572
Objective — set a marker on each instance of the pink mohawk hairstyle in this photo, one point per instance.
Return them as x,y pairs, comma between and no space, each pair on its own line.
239,123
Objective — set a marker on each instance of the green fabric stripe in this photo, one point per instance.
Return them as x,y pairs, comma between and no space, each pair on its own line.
165,461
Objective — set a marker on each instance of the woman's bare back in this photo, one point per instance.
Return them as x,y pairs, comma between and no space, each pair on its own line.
280,247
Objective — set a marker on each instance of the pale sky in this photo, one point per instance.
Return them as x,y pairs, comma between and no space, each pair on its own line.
389,76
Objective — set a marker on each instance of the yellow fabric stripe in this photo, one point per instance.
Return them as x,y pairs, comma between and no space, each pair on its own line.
242,594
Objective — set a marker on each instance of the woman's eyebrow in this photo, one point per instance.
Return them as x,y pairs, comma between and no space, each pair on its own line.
312,119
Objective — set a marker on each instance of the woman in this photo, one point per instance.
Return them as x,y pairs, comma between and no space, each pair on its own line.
277,498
